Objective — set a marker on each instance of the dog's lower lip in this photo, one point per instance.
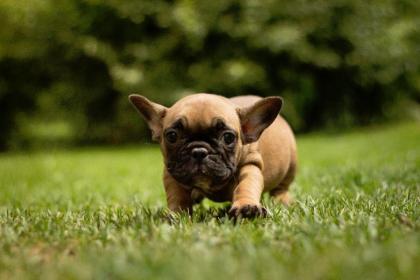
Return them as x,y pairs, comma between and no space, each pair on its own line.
201,170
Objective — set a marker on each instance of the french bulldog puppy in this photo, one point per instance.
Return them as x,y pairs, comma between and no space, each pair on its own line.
223,149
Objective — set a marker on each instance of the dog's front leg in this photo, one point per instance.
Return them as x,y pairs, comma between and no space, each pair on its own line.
247,194
177,197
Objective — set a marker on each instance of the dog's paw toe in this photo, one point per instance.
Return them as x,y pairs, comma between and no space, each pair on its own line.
248,211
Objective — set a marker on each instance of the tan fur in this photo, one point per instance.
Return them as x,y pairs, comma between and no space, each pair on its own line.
276,148
177,197
267,165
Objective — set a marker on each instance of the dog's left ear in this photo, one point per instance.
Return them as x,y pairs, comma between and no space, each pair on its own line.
256,118
152,112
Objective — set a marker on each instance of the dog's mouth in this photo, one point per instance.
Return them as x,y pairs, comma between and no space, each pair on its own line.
202,165
210,174
201,170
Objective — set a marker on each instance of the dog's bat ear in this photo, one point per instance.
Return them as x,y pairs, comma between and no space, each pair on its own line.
152,112
257,117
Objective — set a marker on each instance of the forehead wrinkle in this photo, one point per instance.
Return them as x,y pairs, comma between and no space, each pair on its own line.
206,118
179,120
201,113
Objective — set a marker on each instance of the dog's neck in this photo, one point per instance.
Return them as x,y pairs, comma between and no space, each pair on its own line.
220,193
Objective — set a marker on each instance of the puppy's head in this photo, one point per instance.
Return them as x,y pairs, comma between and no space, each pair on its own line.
201,135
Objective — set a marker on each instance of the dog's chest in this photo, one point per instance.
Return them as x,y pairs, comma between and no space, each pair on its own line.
206,191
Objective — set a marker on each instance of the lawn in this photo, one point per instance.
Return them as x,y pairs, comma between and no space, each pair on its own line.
99,213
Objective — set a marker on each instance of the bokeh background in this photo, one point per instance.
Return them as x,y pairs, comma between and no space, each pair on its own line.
67,66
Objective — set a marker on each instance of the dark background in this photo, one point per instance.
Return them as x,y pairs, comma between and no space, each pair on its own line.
67,67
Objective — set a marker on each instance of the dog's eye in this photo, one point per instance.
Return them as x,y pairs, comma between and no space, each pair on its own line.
228,138
171,136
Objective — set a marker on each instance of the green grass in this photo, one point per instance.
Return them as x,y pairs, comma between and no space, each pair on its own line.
99,213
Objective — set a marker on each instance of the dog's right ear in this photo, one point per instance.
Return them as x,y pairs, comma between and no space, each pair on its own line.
256,118
153,113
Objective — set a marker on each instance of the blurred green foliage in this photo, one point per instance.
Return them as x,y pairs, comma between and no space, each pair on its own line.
67,66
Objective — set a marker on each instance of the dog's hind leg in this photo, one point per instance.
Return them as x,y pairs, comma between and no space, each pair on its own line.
281,194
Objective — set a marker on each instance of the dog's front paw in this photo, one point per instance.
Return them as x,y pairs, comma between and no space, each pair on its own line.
247,211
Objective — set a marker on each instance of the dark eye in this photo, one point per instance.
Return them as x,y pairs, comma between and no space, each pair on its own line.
171,136
228,138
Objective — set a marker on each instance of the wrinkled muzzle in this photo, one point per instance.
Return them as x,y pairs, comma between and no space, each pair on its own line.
198,164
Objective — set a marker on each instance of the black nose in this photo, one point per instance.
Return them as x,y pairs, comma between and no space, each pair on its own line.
199,153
